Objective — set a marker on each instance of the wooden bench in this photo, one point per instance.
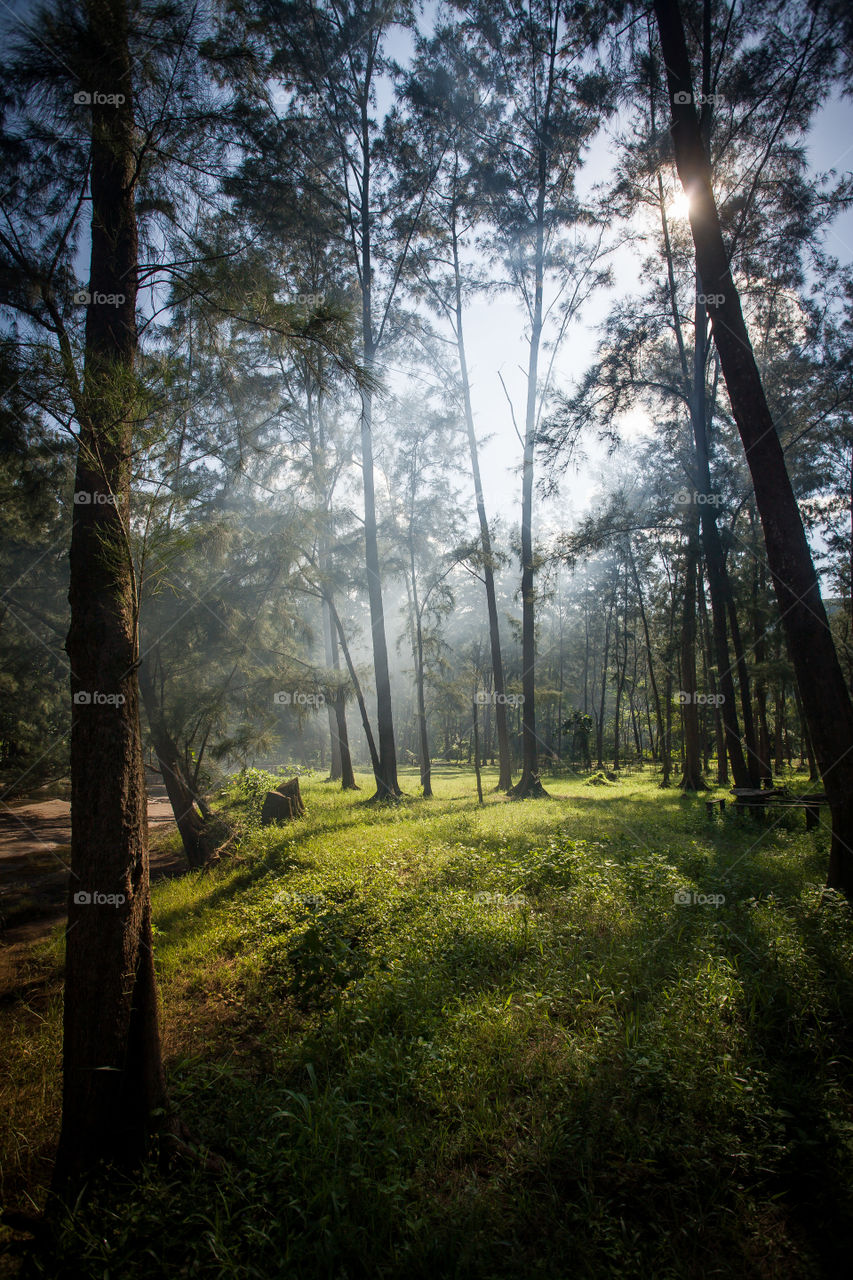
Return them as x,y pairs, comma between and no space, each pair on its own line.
752,800
719,802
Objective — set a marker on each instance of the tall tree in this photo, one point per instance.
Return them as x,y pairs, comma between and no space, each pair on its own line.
826,701
551,107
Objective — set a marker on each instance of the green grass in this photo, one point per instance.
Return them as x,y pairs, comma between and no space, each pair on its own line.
442,1040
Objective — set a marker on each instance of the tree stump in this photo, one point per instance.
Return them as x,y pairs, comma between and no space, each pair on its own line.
283,804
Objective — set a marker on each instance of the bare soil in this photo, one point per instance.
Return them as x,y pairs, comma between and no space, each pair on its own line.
35,851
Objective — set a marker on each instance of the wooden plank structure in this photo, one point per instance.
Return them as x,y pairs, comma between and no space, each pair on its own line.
758,801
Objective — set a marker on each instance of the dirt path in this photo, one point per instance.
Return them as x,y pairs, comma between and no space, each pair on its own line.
34,857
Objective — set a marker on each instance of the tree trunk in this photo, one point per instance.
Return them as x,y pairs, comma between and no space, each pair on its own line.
113,1081
477,753
335,768
825,698
692,779
356,684
501,727
189,821
648,644
529,784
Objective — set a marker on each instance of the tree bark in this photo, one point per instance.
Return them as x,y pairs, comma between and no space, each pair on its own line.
825,698
113,1080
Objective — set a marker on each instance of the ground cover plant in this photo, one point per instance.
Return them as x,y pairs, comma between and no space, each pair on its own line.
599,1035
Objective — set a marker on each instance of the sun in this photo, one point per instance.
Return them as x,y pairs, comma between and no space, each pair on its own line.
679,205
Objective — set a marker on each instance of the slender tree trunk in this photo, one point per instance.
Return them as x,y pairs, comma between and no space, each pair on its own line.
387,786
335,770
529,784
649,659
423,752
600,725
719,726
825,698
113,1081
477,752
348,782
356,684
501,727
692,779
760,651
189,821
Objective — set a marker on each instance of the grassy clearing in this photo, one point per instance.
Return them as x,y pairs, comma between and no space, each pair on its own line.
440,1040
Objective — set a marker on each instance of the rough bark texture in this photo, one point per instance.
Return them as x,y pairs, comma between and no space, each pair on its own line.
112,1070
826,701
283,804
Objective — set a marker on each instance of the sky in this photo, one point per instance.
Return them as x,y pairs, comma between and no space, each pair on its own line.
496,348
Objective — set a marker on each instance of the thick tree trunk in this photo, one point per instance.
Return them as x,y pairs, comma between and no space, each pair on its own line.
825,698
113,1080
